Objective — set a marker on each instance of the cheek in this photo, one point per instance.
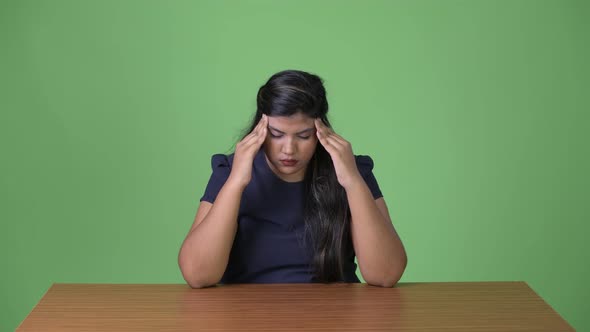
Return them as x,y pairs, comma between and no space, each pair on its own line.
270,146
309,148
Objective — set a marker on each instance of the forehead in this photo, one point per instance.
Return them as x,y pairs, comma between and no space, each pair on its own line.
294,122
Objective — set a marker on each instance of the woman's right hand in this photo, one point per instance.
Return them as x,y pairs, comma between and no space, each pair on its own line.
246,149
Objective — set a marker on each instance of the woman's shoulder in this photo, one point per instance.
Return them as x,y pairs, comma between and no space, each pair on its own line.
365,166
220,160
364,163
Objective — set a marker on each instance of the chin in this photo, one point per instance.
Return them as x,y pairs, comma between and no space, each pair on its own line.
287,170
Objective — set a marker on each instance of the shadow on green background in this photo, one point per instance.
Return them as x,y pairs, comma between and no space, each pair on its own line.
475,113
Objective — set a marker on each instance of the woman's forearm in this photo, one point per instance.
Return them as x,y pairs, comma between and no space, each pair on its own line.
379,250
205,252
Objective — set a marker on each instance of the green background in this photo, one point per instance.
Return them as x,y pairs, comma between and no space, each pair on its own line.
475,113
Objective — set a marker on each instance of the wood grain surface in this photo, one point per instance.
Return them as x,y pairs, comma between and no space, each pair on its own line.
448,306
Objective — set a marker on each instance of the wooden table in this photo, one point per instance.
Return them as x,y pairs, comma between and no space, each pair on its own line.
453,306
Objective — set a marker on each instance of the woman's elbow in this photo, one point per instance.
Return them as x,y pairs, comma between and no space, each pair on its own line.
199,284
198,281
382,282
388,277
195,279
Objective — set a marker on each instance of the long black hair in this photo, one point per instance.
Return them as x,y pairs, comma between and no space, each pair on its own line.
326,212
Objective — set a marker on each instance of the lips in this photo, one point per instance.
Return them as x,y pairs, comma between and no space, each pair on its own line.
288,162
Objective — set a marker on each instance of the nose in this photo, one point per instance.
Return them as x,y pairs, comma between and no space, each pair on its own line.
289,147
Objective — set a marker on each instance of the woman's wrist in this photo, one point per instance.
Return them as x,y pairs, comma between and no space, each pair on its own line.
354,182
235,183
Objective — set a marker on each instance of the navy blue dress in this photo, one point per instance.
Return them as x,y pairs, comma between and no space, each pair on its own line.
268,246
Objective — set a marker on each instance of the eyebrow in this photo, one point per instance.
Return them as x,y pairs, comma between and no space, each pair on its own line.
282,132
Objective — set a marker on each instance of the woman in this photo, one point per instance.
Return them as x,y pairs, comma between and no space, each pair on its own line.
292,203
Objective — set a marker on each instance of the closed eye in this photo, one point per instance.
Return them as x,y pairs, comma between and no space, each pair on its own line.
279,136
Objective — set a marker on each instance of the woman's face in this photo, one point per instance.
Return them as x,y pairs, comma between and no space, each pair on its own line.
289,145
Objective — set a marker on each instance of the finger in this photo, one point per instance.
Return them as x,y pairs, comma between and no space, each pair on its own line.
331,134
339,139
334,142
320,127
259,135
254,132
328,133
262,122
337,146
247,140
258,128
319,124
254,136
252,145
326,143
262,134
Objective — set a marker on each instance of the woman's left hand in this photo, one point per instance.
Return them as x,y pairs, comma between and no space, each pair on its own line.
341,152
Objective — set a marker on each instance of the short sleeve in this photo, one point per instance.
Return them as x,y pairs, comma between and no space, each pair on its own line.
220,166
365,166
